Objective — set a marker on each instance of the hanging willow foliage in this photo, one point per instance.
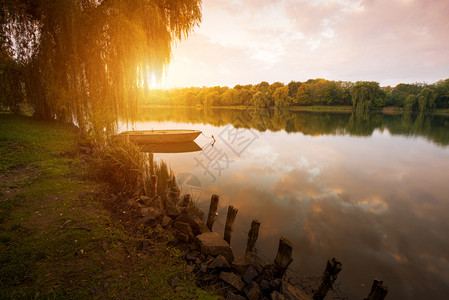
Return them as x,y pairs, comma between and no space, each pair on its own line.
86,61
364,94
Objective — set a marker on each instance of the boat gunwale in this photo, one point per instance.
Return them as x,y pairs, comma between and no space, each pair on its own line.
160,131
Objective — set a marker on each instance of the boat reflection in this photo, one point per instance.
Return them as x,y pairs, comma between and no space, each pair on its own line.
170,147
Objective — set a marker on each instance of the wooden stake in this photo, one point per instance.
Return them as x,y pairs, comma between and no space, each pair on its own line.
212,211
378,291
230,218
333,267
253,234
154,185
284,255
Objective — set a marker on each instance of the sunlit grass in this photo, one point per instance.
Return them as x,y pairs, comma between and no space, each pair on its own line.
57,240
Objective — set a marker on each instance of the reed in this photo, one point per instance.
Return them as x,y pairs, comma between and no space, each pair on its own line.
127,169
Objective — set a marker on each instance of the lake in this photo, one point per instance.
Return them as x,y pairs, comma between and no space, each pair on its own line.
371,190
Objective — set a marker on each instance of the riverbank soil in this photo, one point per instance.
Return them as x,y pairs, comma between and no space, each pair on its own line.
58,240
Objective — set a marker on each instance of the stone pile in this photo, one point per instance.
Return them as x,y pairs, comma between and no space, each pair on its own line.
209,256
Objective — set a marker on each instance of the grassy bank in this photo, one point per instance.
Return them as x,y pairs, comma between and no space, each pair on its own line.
57,238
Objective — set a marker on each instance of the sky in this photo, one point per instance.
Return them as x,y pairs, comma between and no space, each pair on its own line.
246,42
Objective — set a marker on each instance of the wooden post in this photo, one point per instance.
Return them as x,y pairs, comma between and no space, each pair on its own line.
165,196
212,211
333,267
378,291
230,218
253,234
154,185
142,180
167,189
284,255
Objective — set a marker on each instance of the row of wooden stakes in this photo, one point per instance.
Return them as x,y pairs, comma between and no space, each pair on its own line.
284,255
285,250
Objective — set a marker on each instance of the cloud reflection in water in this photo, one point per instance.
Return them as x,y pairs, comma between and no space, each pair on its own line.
377,203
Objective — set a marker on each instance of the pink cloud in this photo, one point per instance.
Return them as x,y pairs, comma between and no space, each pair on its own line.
386,41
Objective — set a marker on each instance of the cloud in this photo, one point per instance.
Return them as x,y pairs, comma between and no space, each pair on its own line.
386,41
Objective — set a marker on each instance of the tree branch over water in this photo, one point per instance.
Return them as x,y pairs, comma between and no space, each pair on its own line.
83,61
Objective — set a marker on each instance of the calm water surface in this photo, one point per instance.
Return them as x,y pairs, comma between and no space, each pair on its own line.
370,190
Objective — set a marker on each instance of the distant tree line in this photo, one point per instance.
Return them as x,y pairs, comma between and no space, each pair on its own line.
361,95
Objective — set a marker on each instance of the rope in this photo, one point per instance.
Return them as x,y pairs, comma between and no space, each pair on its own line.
209,137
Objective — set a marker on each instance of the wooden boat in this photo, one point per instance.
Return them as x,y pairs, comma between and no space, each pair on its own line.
171,147
165,136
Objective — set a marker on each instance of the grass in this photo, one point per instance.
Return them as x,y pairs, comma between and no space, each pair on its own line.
57,239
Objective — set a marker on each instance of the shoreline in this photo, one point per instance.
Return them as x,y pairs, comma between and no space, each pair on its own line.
390,110
65,235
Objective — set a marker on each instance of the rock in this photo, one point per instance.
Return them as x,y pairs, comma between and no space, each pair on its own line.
185,228
203,267
212,243
292,292
252,291
172,212
241,263
271,272
149,220
166,221
277,296
208,279
144,211
191,256
233,280
250,274
181,236
197,225
232,296
185,201
219,263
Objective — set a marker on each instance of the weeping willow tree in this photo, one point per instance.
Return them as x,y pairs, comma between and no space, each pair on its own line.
88,61
422,102
366,94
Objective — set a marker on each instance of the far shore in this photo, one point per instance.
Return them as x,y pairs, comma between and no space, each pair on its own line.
390,110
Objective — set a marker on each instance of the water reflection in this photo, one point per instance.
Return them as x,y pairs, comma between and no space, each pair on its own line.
356,187
431,127
171,147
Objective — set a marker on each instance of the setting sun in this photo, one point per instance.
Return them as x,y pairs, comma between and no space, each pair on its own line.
189,149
